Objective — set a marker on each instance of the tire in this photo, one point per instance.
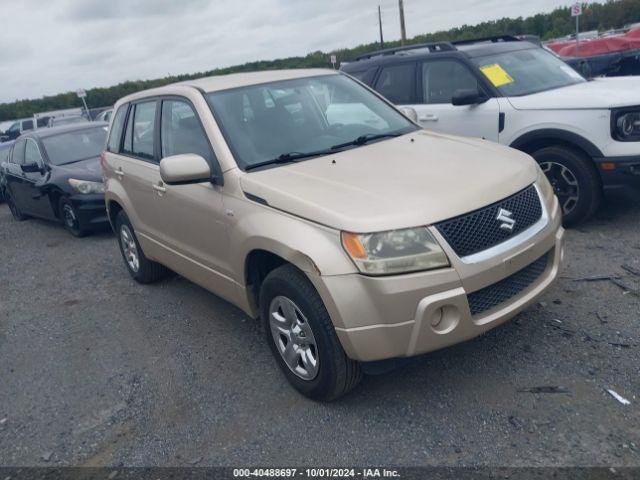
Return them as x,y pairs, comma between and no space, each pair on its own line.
139,266
69,218
15,210
334,373
575,182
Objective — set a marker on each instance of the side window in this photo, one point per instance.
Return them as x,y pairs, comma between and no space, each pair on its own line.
17,155
32,153
397,83
113,145
27,125
181,131
441,79
365,76
139,137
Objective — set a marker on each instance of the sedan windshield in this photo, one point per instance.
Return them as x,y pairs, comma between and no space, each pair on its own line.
524,72
290,120
74,146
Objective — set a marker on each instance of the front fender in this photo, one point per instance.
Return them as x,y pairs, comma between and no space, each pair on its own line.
313,248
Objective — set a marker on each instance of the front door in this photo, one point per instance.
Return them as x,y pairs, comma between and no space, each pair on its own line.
440,79
37,201
197,228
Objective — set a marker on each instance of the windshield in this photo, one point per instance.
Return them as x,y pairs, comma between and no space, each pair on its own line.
75,146
288,119
524,72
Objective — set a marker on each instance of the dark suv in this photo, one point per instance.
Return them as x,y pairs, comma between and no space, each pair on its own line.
584,134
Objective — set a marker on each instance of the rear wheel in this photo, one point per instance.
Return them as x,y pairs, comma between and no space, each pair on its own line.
302,338
69,218
15,210
575,182
140,267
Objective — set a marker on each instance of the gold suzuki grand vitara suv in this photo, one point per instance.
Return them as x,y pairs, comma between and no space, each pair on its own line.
312,203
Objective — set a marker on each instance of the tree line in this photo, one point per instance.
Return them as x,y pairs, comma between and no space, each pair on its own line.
596,16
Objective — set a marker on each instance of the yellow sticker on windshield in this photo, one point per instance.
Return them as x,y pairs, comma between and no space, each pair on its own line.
496,75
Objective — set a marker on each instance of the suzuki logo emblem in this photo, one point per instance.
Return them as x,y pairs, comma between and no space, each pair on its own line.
506,217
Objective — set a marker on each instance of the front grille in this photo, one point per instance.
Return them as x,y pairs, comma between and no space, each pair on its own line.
476,231
493,295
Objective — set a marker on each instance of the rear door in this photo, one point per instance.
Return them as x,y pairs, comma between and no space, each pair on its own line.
139,172
439,79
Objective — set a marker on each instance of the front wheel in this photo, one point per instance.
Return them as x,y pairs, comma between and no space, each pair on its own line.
69,218
302,338
575,182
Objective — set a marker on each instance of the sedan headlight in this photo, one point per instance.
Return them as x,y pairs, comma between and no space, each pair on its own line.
395,251
86,187
625,125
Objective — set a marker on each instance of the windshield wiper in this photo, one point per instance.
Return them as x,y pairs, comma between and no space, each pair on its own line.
364,139
290,157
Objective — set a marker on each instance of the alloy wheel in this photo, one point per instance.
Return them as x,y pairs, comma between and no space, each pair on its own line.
69,216
129,248
294,338
564,183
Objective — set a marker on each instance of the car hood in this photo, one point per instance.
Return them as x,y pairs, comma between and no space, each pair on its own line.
600,93
88,169
413,180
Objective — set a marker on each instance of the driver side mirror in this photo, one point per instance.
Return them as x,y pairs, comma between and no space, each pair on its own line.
183,169
468,96
31,168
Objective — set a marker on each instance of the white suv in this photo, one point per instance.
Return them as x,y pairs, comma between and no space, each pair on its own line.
585,134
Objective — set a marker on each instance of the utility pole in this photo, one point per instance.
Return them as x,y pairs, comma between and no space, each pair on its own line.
380,25
403,32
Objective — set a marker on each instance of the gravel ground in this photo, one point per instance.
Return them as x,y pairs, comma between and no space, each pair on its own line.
97,370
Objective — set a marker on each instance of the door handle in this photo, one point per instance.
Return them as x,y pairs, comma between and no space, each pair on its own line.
429,118
119,172
159,188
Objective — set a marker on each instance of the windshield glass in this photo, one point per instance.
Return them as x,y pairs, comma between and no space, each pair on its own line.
296,117
527,71
74,146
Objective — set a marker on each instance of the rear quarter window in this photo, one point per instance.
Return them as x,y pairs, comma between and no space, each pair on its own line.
113,144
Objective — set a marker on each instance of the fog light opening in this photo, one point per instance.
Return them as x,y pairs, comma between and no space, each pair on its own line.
445,319
436,318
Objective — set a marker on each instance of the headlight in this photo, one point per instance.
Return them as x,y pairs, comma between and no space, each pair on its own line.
625,125
86,187
396,251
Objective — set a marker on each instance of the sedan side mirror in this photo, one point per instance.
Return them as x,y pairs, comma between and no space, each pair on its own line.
468,96
410,113
31,168
183,169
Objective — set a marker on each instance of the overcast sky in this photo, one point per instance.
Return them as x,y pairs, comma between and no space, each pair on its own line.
54,46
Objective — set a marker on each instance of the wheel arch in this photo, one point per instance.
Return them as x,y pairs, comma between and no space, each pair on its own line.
262,260
532,141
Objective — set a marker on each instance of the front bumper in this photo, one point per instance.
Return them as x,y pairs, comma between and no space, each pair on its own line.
378,318
90,210
619,172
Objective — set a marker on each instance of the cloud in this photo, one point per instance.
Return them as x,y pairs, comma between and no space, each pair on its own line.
61,45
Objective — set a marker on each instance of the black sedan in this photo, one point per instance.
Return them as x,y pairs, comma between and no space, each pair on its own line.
54,173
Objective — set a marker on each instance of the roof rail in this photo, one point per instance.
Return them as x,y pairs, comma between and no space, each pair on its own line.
433,47
494,39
